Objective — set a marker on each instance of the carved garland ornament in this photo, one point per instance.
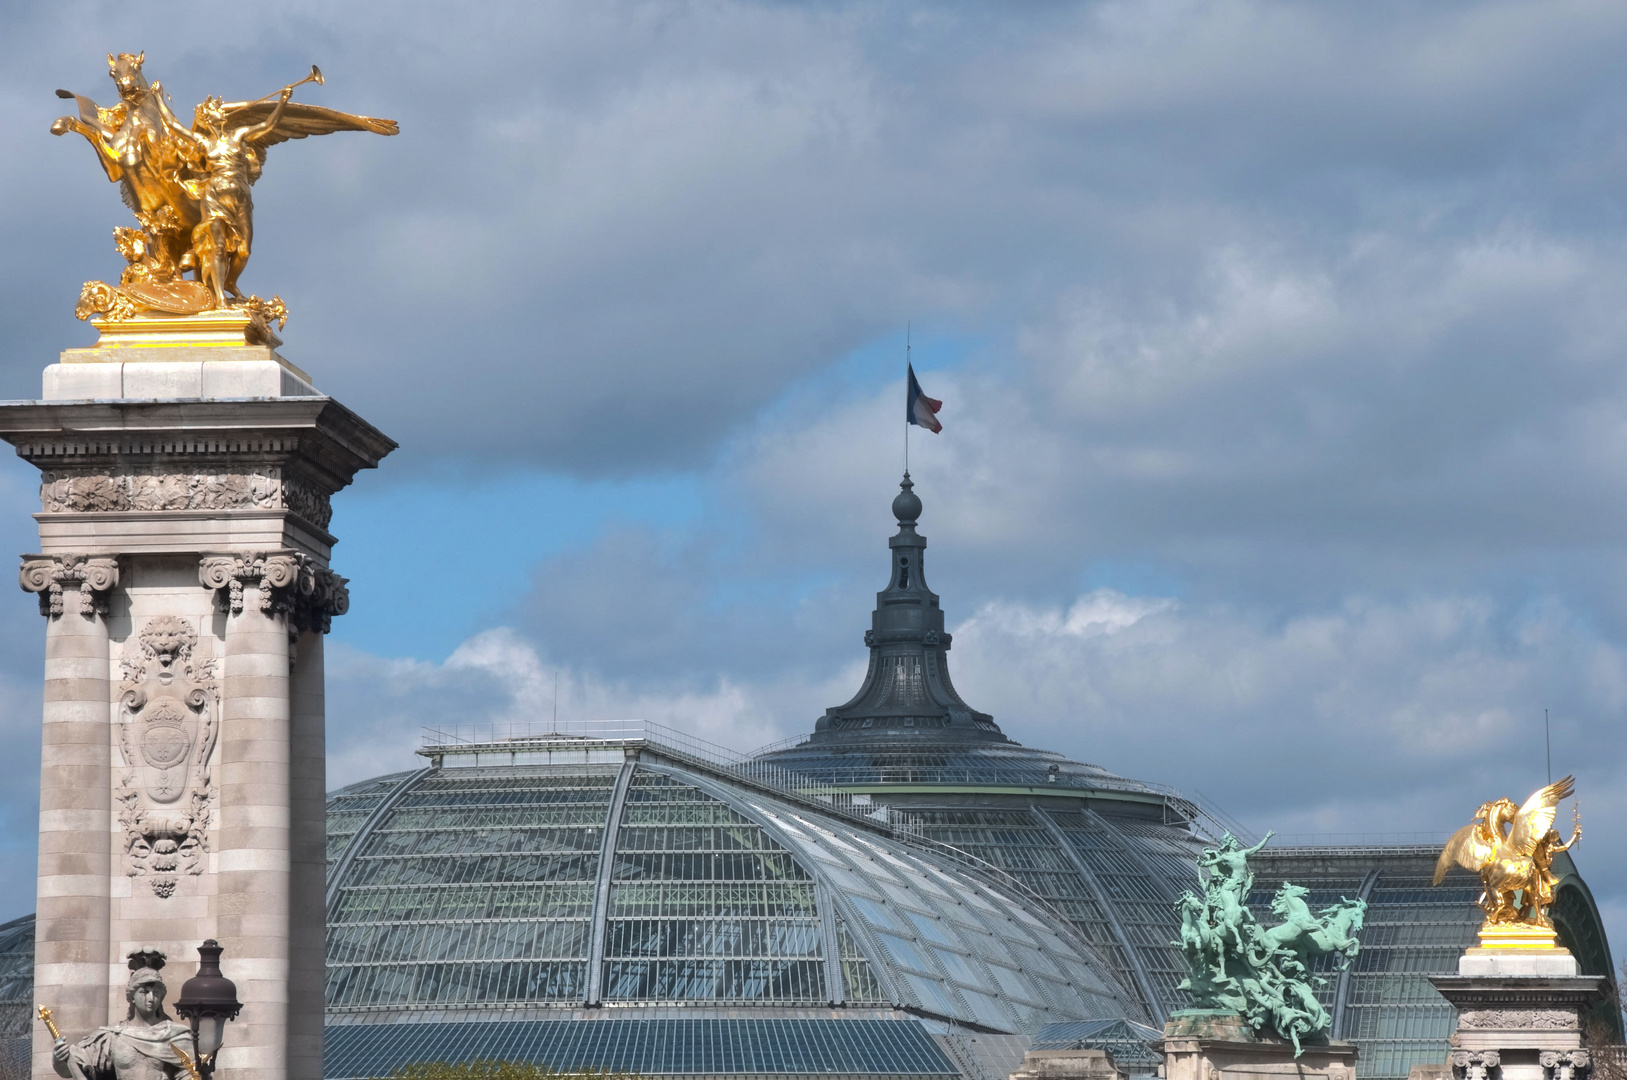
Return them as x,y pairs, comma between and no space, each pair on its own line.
1517,1019
289,584
101,492
94,575
170,704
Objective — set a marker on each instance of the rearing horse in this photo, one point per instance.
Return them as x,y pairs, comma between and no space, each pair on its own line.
1309,936
138,146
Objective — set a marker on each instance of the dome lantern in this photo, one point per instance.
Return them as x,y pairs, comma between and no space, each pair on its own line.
907,690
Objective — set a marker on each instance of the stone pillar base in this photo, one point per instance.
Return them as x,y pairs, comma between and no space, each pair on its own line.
1068,1065
1517,1025
1200,1045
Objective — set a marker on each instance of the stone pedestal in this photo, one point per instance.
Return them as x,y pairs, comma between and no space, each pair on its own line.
183,575
1068,1065
1211,1046
1520,1014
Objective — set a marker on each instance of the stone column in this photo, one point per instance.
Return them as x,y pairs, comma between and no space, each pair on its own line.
254,863
71,953
308,864
270,910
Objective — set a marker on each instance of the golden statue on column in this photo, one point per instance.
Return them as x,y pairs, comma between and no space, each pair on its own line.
188,186
1512,849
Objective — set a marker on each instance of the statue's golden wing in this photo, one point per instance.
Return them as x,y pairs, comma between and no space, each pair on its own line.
1537,816
299,121
1465,849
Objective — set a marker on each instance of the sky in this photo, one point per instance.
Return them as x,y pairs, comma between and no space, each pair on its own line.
1281,350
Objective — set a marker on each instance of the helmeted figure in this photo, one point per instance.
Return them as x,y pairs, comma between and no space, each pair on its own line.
142,1047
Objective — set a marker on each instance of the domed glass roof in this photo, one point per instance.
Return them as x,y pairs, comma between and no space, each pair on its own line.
654,883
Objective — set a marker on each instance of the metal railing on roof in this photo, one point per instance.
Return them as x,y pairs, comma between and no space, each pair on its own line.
523,742
519,739
1360,839
1196,810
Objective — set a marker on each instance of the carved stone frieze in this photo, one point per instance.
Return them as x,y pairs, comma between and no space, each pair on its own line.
154,488
289,583
1565,1064
306,501
170,718
1475,1064
1517,1019
93,575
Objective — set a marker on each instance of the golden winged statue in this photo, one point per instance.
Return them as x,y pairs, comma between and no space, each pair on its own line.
188,186
1513,849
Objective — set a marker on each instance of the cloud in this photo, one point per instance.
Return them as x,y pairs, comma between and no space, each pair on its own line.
667,216
501,682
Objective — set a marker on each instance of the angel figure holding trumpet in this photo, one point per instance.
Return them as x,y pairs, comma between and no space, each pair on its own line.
189,189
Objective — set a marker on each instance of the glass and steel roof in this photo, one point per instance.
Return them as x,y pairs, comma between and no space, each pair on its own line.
832,1049
653,882
472,906
16,995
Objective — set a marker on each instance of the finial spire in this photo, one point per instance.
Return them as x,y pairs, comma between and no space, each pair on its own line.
907,504
907,692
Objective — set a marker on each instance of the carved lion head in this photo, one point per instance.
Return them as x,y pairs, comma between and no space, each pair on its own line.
167,640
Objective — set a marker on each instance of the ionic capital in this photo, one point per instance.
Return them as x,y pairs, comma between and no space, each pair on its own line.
1565,1064
290,584
95,575
1475,1064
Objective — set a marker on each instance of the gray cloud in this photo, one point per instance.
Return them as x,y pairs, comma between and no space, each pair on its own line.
664,213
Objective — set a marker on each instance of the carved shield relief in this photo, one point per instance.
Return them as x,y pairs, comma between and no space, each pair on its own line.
170,719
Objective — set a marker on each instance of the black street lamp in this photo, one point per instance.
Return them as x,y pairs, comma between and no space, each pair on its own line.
207,1001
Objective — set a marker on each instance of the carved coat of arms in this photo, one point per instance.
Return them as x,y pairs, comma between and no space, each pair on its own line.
168,725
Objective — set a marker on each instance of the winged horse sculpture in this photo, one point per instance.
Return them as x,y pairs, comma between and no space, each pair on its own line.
1512,849
189,189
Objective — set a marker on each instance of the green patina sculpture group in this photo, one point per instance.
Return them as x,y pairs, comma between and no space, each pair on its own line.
1262,974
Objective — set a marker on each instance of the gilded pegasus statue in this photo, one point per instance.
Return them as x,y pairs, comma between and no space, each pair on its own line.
1513,849
188,186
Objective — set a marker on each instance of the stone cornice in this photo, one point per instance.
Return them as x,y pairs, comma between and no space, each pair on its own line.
94,575
1476,991
330,443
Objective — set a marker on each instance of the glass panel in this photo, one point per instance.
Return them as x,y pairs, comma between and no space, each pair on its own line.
861,981
477,887
711,908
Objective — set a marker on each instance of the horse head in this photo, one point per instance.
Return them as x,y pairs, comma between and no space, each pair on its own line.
125,70
1289,897
1500,814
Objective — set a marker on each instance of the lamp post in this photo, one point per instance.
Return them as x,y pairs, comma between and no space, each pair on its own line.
207,1001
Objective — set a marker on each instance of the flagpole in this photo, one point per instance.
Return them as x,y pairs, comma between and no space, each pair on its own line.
907,363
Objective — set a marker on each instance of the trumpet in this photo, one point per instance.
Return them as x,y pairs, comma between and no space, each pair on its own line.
315,76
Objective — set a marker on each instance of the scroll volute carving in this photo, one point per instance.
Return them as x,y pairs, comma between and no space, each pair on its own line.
170,720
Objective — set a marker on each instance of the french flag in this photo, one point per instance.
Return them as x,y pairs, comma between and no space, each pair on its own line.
922,410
